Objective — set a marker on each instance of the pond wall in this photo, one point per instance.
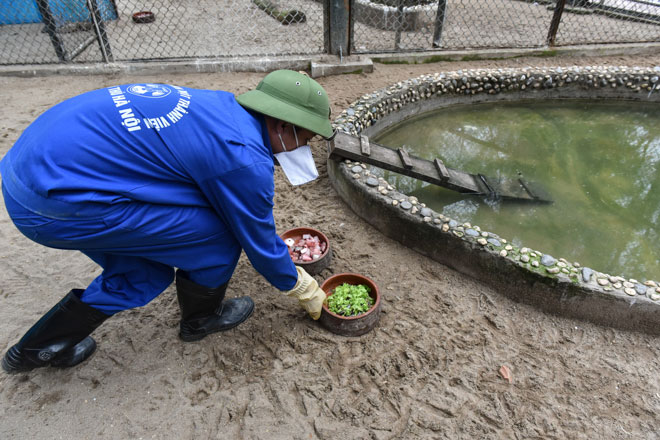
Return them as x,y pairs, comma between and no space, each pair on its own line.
553,284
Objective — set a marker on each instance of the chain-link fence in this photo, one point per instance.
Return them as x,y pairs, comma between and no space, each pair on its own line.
51,31
396,25
46,31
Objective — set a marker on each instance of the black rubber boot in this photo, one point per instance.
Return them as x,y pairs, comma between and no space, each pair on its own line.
203,310
59,339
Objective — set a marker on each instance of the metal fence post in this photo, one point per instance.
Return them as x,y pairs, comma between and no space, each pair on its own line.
49,22
439,22
338,27
99,30
399,25
554,24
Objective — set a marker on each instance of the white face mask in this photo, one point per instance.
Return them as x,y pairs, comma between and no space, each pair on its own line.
298,165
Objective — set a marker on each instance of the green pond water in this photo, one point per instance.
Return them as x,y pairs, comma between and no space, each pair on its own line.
599,161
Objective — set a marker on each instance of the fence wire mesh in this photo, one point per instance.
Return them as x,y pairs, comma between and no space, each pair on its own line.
409,25
177,29
51,31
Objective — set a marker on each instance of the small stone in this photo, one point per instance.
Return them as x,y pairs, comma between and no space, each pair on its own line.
437,221
414,210
406,204
561,264
524,250
508,247
640,289
576,264
371,181
356,169
445,227
655,296
453,223
628,284
503,253
482,241
602,281
356,176
495,242
617,285
395,202
383,191
427,219
484,234
427,212
650,283
524,258
471,232
535,263
564,270
586,274
552,270
631,292
548,260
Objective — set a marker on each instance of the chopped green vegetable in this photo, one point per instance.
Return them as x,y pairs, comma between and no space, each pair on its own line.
350,300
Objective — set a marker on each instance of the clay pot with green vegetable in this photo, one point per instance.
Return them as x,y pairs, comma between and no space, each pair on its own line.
355,309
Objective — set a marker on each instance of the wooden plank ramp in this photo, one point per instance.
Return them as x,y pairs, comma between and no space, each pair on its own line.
361,149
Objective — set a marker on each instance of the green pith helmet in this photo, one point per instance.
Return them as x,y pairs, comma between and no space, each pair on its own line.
291,97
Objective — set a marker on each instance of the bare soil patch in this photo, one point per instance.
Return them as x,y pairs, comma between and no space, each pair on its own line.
431,369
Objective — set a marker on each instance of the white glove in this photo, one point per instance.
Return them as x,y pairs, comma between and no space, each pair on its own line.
310,296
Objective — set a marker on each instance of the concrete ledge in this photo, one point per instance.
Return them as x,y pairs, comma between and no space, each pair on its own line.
336,66
245,64
553,285
303,62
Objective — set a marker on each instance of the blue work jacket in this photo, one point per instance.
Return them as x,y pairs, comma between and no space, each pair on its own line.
160,144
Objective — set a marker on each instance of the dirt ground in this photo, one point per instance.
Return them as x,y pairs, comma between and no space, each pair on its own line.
430,369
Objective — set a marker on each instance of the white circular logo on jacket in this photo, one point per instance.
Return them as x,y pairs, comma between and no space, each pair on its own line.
149,90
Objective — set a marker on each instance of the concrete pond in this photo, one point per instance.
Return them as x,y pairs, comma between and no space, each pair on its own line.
550,282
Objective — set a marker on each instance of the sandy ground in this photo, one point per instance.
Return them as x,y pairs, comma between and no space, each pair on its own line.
429,370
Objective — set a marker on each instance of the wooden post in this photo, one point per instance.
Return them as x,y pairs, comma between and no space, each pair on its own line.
337,21
439,22
554,24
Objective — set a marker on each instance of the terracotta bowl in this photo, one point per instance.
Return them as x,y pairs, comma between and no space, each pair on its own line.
144,17
350,325
313,267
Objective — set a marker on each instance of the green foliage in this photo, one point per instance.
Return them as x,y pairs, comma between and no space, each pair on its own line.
385,61
350,300
547,53
436,59
353,72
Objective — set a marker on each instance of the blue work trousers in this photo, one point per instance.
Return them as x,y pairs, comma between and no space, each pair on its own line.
138,245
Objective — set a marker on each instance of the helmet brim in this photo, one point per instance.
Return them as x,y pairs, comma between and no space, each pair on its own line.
271,106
